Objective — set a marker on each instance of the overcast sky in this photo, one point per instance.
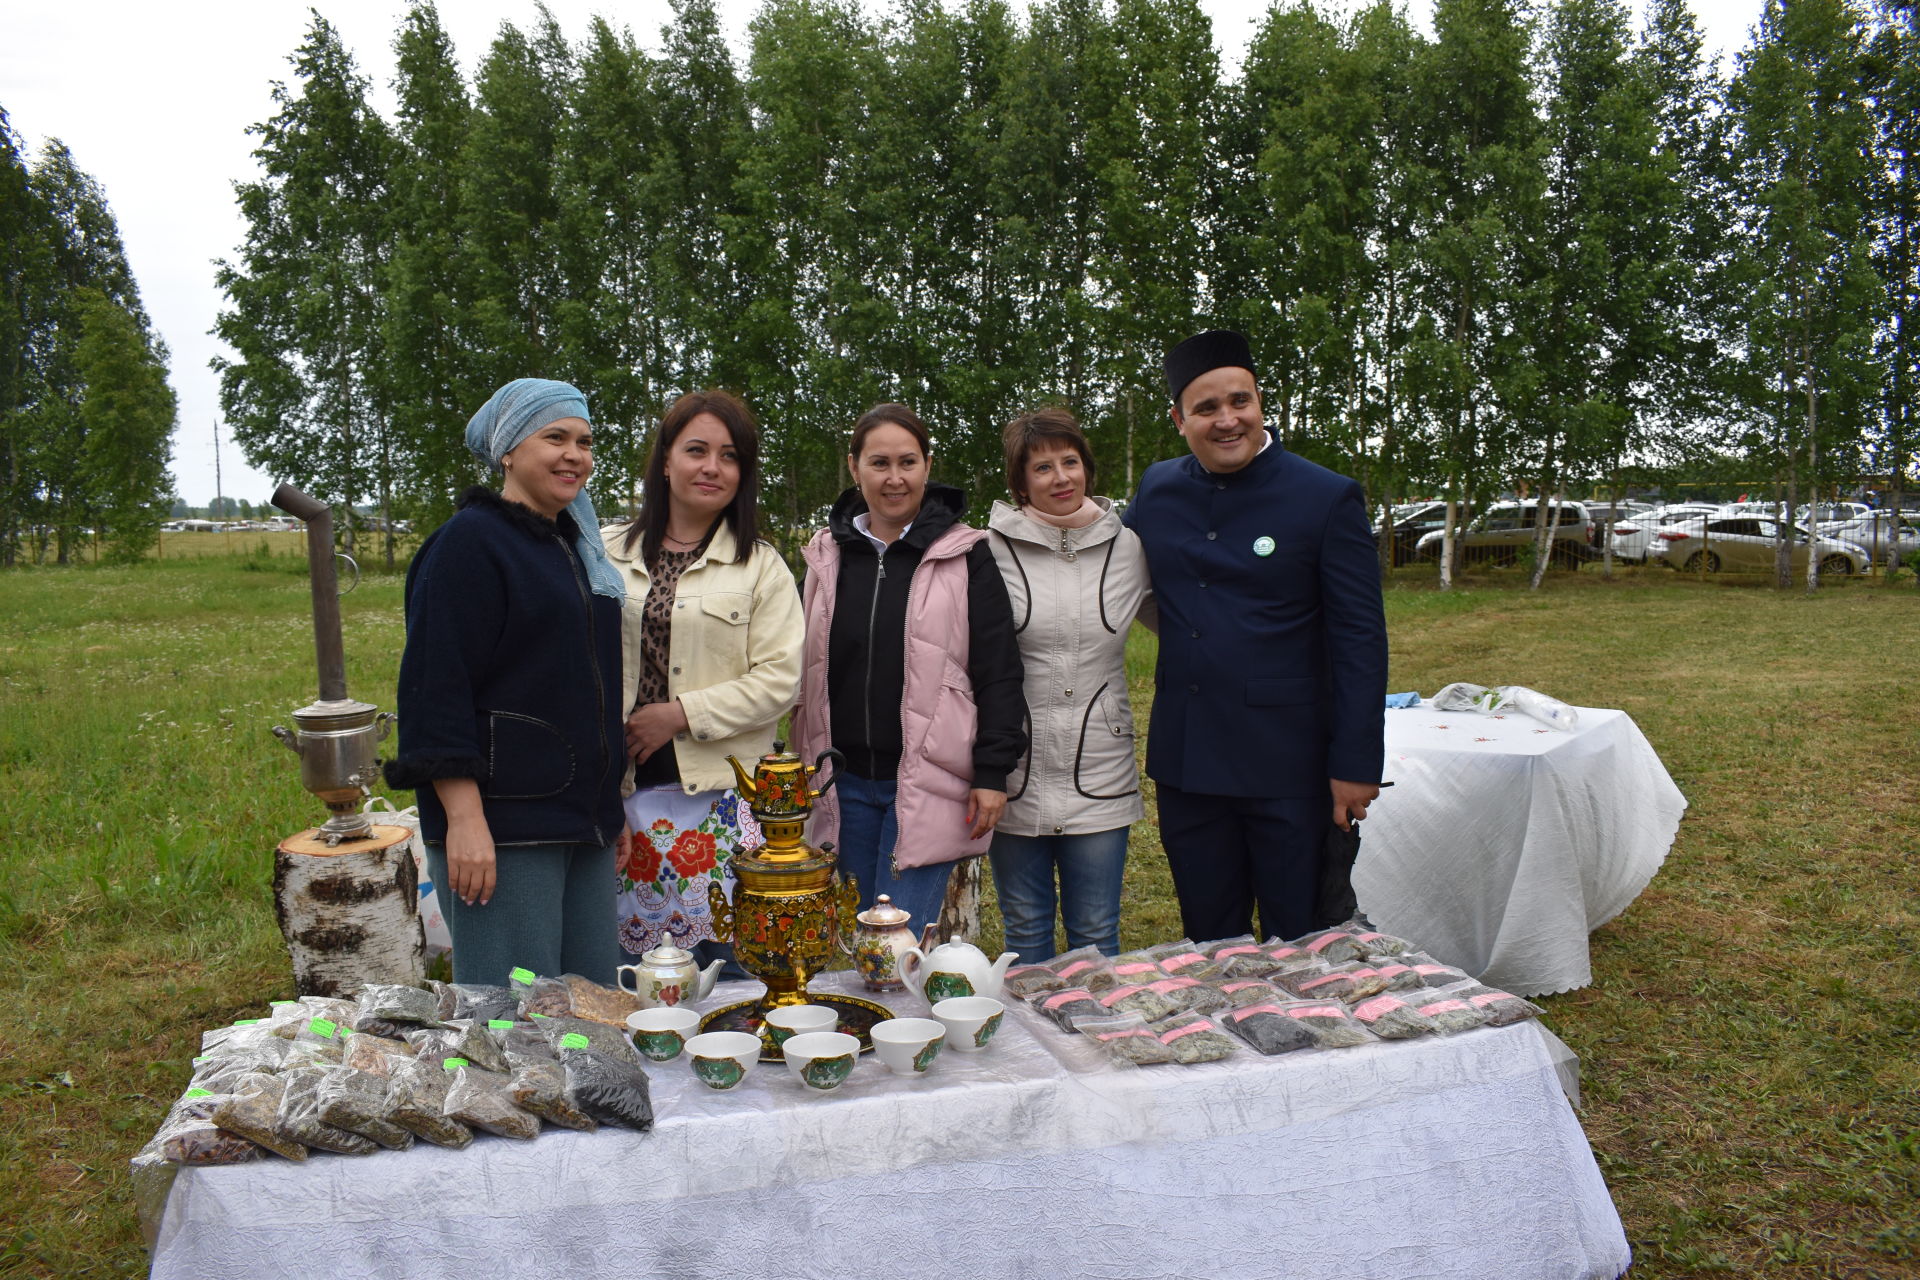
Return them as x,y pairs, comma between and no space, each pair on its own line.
154,101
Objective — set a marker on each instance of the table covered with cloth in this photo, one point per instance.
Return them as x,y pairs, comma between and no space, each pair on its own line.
1452,1156
1504,842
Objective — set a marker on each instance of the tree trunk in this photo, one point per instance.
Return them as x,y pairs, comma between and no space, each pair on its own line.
351,913
960,913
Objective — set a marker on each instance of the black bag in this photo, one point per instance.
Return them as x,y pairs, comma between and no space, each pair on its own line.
1333,900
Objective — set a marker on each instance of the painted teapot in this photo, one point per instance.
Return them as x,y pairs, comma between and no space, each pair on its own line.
953,969
667,975
882,938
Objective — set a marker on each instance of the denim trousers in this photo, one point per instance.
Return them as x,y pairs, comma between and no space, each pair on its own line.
551,912
1090,866
868,829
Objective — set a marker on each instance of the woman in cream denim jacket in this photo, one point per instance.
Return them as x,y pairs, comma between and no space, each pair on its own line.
711,642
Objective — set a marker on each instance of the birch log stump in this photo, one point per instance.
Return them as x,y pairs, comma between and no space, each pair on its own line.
351,913
960,913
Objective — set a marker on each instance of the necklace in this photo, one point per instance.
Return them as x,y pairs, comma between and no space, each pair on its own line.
679,542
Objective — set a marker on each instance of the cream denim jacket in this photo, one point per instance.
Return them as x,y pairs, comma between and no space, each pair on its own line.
735,653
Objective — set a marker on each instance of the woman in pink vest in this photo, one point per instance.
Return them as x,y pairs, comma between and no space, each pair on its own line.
911,671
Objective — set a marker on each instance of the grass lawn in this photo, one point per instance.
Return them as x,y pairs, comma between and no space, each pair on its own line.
1749,1046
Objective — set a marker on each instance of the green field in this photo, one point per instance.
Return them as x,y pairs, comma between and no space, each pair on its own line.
1750,1046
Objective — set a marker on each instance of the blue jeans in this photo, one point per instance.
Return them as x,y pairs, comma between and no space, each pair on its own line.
550,913
1090,865
868,829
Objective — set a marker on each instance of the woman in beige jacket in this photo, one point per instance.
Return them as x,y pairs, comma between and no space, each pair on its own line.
1076,578
711,642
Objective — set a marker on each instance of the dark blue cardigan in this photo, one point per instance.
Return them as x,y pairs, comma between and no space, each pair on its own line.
511,676
1272,671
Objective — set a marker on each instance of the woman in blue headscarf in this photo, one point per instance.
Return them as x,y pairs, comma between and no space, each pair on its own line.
510,717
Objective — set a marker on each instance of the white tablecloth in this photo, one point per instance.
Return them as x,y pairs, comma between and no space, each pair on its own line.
1456,1157
1503,842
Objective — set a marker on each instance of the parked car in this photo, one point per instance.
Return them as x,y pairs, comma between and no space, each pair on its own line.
1744,544
1884,535
1501,534
1824,511
1410,522
1634,539
1606,515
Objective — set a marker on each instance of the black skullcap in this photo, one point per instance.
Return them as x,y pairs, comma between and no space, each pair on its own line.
1214,349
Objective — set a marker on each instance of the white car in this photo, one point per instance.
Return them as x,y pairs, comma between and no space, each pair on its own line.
1634,539
1745,544
1885,535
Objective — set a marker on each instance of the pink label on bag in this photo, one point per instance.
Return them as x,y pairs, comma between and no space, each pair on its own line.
1118,993
1319,1011
1029,968
1368,1010
1285,953
1078,966
1390,970
1361,973
1105,1036
1238,1014
1491,997
1424,969
1322,943
1138,966
1171,984
1444,1006
1056,1000
1229,988
1177,1032
1175,962
1224,952
1321,982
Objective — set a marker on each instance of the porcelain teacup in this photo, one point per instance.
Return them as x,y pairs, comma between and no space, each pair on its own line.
721,1059
970,1020
796,1019
908,1046
661,1033
821,1059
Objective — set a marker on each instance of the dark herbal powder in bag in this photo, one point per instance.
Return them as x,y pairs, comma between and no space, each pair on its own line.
477,1002
1268,1029
611,1090
1189,1037
417,1098
383,1006
484,1100
1069,1006
1392,1018
1333,1027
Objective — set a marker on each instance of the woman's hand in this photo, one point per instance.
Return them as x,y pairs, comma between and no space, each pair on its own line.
470,858
652,727
984,808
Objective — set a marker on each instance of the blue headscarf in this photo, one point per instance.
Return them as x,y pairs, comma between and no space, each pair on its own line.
515,412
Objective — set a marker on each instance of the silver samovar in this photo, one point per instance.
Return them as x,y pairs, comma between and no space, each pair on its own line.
335,736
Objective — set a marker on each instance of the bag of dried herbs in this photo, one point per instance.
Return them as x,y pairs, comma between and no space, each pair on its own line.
1391,1018
1501,1008
1126,1041
384,1009
1193,1037
417,1099
611,1090
1067,1007
252,1110
1268,1029
300,1116
1331,1023
484,1100
357,1102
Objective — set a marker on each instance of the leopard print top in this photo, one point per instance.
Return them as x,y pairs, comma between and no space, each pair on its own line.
656,624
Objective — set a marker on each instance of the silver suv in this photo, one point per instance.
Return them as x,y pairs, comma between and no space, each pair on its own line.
1502,533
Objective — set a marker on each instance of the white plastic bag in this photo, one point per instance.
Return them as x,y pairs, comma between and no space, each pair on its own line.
1461,696
433,924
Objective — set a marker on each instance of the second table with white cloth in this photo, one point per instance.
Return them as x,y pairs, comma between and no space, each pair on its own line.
1504,842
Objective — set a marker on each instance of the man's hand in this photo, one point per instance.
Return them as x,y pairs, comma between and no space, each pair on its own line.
652,727
984,808
1350,801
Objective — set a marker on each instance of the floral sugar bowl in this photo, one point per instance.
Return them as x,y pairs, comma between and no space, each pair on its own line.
883,937
667,975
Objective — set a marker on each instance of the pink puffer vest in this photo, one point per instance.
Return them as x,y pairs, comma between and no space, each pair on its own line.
937,717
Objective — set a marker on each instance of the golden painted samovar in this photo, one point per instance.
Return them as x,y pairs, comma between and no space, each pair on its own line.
790,908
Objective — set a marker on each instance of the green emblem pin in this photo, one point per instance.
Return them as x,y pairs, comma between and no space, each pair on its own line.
1263,546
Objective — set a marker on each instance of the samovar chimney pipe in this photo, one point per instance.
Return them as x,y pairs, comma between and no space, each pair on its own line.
329,650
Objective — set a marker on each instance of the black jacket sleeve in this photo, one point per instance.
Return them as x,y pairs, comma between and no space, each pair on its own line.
994,667
455,601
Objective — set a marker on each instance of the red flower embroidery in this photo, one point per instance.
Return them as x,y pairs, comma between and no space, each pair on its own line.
662,825
642,863
692,853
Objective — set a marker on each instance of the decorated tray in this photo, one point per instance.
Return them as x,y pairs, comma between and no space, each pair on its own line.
857,1016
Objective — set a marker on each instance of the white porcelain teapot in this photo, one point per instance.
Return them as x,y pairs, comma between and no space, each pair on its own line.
953,969
667,975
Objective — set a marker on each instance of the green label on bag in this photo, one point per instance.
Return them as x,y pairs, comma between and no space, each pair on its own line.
536,1015
453,1064
198,1061
322,1028
275,1004
522,976
574,1040
198,1093
247,1022
499,1024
